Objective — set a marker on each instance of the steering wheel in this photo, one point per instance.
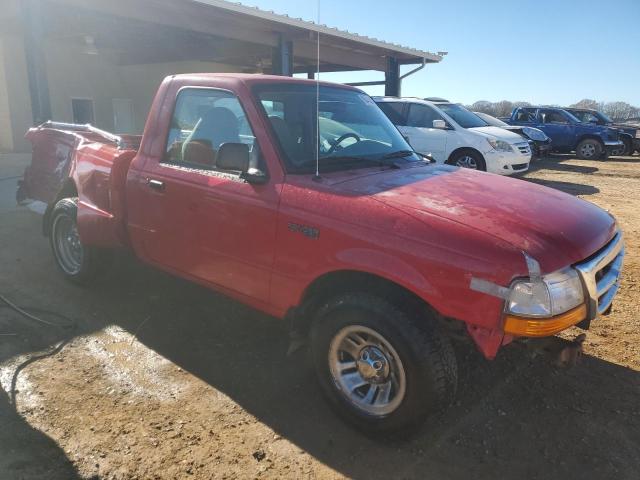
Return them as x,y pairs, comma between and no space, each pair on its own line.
339,140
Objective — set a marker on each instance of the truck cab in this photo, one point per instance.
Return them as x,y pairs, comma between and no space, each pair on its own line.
568,133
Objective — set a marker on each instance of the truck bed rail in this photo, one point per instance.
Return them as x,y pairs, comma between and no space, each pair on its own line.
76,127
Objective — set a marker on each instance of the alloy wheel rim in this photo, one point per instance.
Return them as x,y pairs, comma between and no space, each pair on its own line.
588,150
367,370
68,248
467,161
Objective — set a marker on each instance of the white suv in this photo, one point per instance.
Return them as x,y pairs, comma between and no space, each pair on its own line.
452,134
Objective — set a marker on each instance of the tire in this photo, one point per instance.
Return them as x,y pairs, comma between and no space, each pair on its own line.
80,264
410,367
468,159
589,149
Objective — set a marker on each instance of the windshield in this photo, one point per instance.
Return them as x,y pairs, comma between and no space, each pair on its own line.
354,132
586,116
492,120
462,116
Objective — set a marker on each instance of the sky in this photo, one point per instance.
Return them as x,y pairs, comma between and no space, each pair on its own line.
540,51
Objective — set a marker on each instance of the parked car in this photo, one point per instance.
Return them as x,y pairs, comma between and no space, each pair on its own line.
629,135
539,142
376,256
568,133
453,135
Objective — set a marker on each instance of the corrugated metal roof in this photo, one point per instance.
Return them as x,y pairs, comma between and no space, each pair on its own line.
322,29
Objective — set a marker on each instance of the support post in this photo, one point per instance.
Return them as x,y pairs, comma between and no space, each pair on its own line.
283,58
32,15
392,82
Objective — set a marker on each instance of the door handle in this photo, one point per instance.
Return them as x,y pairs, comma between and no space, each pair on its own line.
156,184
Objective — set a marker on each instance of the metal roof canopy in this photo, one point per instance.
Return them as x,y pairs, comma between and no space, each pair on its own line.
250,39
340,50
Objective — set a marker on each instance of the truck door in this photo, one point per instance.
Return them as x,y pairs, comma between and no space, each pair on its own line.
557,127
422,136
189,216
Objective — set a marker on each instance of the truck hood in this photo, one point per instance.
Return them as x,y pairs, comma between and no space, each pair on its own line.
499,133
553,227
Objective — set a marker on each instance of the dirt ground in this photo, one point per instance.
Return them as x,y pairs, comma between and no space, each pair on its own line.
156,378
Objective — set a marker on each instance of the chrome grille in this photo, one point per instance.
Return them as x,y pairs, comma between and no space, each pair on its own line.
523,148
601,275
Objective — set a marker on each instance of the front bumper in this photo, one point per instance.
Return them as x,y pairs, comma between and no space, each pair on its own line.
600,275
541,149
508,163
613,145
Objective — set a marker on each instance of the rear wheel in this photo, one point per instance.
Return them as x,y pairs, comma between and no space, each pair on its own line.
78,263
468,159
381,370
589,149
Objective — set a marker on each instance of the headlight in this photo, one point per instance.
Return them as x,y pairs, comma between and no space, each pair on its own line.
499,145
549,296
535,134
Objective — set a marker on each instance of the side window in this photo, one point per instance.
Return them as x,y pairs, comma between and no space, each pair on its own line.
393,110
553,116
525,116
422,116
202,121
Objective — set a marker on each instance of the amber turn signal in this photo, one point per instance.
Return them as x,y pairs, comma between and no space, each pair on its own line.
543,327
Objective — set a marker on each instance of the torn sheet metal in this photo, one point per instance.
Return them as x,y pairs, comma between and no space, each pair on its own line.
490,288
495,290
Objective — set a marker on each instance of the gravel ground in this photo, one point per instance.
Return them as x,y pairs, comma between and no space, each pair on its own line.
152,377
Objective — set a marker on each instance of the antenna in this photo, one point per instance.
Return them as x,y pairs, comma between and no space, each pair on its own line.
317,177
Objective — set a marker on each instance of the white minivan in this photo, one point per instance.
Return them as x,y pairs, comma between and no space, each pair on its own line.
454,135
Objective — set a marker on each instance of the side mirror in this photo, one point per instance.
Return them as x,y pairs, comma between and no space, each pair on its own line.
440,124
233,156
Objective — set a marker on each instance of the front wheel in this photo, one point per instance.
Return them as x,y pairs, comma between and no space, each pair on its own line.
381,370
78,263
589,149
468,159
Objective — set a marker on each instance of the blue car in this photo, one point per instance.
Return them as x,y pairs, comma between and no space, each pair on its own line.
568,134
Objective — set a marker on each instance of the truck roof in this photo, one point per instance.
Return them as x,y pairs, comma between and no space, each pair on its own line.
429,100
252,79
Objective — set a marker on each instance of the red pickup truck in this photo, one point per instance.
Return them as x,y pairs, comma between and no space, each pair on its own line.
380,257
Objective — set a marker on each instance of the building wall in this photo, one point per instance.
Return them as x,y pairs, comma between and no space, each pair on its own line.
15,99
74,74
71,73
6,130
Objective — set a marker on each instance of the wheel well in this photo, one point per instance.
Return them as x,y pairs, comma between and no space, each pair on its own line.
332,284
465,149
591,137
68,189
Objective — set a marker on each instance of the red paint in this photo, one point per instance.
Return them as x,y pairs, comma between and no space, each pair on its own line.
428,228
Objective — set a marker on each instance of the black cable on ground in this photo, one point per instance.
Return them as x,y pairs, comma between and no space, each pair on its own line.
9,304
55,350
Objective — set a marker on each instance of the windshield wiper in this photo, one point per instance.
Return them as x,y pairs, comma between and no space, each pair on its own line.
398,154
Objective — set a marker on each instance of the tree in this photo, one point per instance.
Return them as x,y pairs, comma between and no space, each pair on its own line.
619,111
587,103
